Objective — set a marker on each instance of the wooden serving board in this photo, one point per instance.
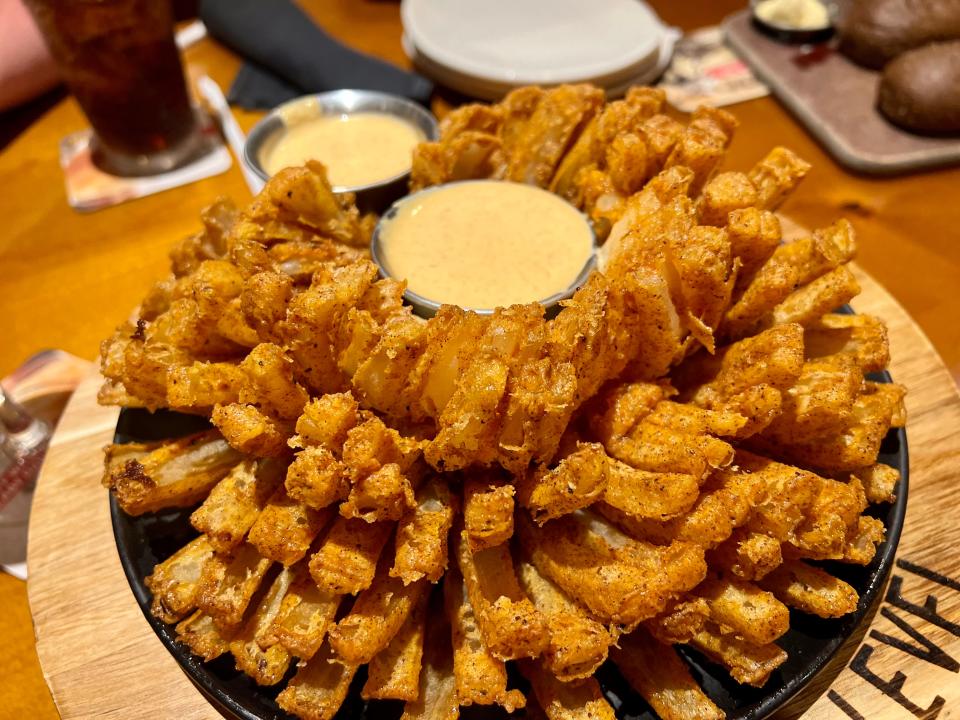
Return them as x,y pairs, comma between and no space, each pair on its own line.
102,660
836,101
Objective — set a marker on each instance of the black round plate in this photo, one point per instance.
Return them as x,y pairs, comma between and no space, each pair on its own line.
810,643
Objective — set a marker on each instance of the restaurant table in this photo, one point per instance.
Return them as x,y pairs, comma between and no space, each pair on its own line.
66,278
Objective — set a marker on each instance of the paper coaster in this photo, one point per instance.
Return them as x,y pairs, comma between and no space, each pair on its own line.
90,188
704,71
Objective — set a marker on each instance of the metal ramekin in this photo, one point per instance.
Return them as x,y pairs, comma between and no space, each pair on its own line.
426,308
373,197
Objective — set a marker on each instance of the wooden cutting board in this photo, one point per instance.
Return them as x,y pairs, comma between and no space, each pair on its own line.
102,660
835,100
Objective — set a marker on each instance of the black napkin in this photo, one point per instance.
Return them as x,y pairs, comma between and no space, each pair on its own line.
290,56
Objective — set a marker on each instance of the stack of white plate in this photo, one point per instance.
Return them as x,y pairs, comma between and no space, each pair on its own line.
485,48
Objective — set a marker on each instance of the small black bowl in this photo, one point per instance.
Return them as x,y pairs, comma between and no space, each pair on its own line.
795,36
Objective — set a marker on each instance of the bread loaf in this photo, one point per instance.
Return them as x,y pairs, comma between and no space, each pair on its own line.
873,32
920,89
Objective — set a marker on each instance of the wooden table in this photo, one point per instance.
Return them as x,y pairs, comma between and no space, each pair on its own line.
66,279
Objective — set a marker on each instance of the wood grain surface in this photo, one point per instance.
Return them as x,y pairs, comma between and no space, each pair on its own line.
67,278
836,100
102,660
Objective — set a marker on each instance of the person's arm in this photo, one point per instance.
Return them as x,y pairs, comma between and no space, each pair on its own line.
26,67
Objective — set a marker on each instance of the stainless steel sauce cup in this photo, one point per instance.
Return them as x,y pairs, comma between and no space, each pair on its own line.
372,197
427,307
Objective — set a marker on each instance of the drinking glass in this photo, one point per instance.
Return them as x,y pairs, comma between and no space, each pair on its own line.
120,61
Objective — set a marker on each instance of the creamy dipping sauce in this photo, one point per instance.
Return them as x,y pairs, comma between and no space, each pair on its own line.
485,244
794,14
357,148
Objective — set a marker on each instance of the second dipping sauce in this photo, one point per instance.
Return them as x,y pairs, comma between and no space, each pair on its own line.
794,14
357,149
485,244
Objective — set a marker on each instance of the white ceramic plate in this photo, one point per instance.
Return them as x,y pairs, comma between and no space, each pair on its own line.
643,73
527,42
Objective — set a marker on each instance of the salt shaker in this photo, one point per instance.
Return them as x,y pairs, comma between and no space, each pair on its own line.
23,438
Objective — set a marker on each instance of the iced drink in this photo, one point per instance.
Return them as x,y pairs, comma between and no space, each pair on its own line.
119,59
